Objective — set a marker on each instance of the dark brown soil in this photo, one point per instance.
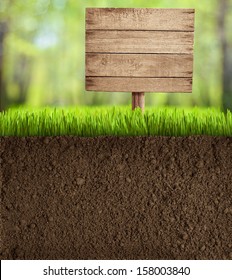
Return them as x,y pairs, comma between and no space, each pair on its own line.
116,198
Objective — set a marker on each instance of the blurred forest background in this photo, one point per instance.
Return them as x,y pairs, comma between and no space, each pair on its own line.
42,54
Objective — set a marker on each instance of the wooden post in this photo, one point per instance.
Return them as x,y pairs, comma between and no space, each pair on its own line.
138,100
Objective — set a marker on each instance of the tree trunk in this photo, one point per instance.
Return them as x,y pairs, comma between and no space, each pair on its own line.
3,32
226,56
22,77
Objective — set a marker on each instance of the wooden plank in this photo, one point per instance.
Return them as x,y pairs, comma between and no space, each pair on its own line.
114,41
140,19
139,65
114,84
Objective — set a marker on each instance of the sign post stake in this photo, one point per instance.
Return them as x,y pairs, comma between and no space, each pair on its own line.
138,100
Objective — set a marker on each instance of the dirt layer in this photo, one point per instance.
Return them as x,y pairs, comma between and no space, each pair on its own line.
116,198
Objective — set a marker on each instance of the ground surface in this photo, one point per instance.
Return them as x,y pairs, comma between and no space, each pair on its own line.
116,198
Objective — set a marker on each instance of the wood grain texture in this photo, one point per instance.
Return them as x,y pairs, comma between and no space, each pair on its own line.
138,100
139,65
140,19
139,50
114,84
115,41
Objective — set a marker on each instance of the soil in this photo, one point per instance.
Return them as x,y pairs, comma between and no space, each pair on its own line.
116,198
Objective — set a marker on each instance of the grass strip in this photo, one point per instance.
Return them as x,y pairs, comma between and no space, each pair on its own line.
115,121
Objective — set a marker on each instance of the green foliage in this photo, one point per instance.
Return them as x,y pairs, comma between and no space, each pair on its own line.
115,121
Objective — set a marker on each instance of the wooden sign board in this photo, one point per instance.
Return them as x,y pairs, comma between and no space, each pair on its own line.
139,50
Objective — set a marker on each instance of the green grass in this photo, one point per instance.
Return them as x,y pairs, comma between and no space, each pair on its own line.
115,121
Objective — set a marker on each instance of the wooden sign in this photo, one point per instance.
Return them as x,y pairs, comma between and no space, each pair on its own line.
139,50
